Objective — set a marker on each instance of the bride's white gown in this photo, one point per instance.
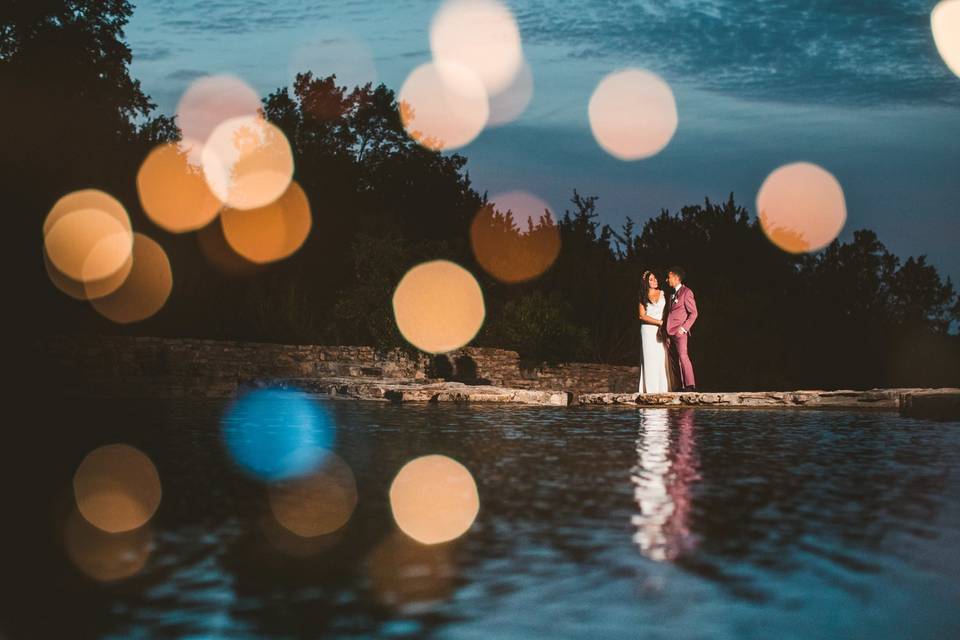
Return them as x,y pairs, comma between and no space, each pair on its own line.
653,375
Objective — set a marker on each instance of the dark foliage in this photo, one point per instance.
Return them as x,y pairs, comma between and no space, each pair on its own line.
73,118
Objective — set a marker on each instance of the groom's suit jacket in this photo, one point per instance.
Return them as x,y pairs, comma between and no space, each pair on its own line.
683,311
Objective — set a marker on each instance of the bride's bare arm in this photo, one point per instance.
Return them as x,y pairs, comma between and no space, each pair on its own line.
647,319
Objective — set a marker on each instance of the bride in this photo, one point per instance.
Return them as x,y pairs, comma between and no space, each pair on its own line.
653,370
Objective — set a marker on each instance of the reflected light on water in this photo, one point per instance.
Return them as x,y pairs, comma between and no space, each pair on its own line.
277,434
290,544
316,504
633,114
144,291
117,488
438,306
443,105
87,235
106,557
515,256
434,499
211,100
481,35
665,472
247,162
272,232
172,188
801,207
411,576
945,25
509,104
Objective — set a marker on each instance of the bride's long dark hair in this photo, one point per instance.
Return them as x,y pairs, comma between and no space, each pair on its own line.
645,287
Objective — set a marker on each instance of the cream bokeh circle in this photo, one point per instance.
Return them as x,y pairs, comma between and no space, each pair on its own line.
945,26
443,105
247,162
481,35
633,114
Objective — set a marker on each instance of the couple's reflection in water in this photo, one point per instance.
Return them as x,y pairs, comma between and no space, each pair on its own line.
663,479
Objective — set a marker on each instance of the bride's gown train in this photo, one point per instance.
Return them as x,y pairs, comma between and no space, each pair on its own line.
653,373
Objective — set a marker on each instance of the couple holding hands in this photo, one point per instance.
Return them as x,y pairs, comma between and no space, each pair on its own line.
665,365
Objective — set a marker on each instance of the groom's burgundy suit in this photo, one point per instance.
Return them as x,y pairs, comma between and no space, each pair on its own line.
683,313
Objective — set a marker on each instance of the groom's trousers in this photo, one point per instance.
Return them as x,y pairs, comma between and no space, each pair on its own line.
679,341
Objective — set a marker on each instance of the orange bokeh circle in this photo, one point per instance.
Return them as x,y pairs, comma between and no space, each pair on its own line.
173,191
438,306
117,488
434,499
272,232
145,290
801,207
518,252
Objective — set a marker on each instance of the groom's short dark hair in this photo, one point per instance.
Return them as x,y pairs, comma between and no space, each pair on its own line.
679,271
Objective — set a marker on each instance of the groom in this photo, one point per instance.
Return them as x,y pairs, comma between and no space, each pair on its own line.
680,318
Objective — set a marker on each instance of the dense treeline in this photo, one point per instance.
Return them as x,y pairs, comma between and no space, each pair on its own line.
852,315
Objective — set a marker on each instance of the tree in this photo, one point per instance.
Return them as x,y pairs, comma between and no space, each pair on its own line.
851,315
76,119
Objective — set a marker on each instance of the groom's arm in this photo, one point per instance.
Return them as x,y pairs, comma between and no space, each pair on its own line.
690,304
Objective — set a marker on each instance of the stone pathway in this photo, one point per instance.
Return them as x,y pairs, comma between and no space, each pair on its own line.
935,404
880,398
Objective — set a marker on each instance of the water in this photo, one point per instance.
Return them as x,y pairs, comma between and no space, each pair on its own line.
593,523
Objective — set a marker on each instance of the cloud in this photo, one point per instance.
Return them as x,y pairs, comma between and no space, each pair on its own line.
152,54
252,16
797,51
185,75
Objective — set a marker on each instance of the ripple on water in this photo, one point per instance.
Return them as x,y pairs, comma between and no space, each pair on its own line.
592,523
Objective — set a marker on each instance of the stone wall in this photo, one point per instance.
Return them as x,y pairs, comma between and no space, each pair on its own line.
151,367
503,368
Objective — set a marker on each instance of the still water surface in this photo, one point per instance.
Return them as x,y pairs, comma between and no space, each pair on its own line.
593,523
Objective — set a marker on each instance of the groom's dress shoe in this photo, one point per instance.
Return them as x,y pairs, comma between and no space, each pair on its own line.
689,388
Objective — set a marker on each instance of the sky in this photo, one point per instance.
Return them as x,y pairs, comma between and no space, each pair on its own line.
856,87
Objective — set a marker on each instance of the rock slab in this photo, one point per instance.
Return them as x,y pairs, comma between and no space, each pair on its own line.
845,399
403,392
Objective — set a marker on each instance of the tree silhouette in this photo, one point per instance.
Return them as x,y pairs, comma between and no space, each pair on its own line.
75,119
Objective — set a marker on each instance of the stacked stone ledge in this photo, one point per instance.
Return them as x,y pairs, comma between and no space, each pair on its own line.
113,366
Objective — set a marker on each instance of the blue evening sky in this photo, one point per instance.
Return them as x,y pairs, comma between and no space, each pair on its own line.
857,87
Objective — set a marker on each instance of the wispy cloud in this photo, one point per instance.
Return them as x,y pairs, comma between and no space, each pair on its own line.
152,54
819,51
185,75
236,18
